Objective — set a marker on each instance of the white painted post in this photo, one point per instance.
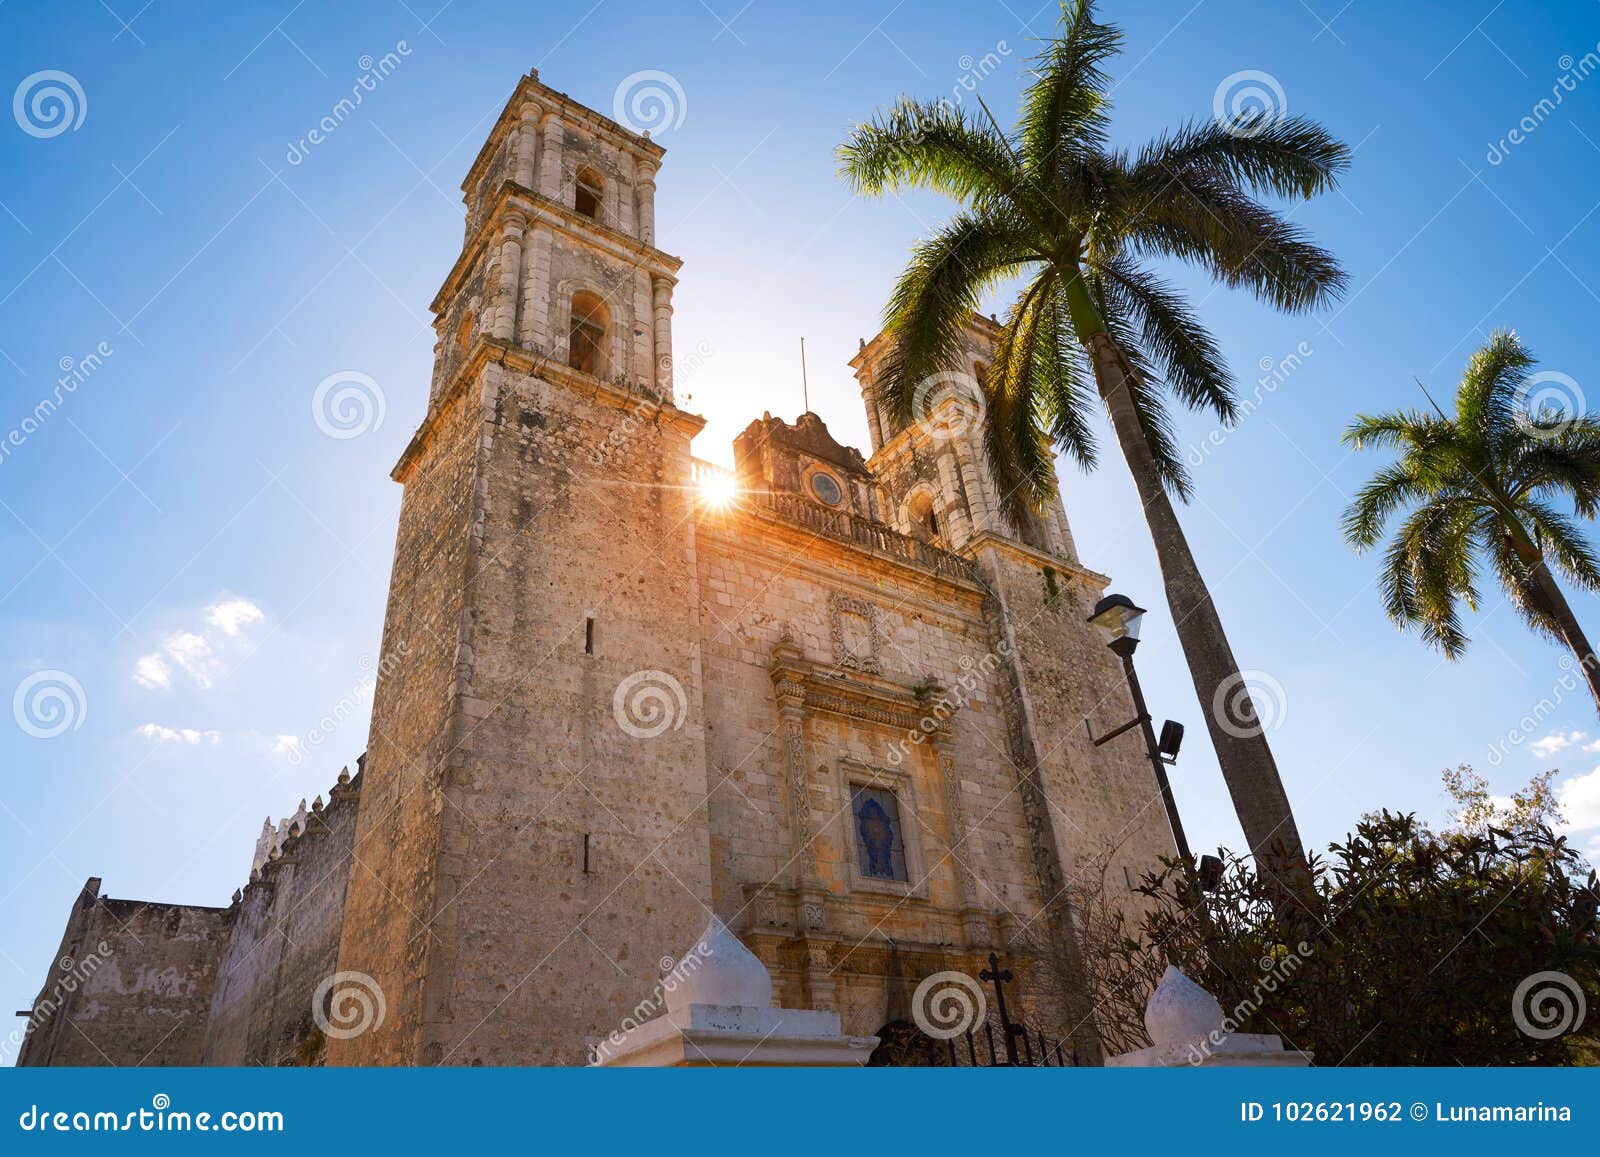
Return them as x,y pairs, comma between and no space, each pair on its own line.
719,1013
1187,1026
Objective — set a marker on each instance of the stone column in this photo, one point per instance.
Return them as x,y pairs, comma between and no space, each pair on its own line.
979,501
641,354
644,184
1064,530
527,144
788,687
955,512
620,194
503,323
662,298
533,320
552,135
787,668
974,921
802,832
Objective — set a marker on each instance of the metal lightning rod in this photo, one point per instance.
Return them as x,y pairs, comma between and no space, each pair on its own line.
805,386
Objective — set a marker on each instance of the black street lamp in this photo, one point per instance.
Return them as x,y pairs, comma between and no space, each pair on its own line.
1118,620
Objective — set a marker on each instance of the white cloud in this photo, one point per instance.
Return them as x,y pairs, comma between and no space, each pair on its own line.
192,653
156,733
1556,741
231,615
151,672
285,744
197,653
1580,800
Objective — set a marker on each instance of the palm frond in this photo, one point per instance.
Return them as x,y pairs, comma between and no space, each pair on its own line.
1173,336
1491,389
1515,575
1281,156
1565,462
1436,541
1206,221
1023,371
1389,490
1563,547
932,145
1402,429
1144,388
937,295
1064,109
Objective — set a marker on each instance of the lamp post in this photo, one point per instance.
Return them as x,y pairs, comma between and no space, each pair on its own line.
1118,620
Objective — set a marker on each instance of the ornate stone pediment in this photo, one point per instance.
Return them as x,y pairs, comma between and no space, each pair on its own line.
840,690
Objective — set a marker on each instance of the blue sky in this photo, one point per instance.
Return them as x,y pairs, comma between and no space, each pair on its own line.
209,567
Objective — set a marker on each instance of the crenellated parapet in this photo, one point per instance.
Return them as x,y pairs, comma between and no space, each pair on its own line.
286,928
277,841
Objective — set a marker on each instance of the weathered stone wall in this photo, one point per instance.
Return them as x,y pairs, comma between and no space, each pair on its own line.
132,984
959,798
757,578
391,887
285,943
1106,807
535,956
574,267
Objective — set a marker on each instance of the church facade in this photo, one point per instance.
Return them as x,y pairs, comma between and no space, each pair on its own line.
836,699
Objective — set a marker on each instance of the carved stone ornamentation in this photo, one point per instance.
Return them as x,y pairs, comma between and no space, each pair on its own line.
853,624
960,850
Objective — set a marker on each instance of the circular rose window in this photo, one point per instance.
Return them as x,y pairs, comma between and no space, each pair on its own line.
826,488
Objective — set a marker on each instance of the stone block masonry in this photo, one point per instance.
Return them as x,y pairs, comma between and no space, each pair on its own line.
131,984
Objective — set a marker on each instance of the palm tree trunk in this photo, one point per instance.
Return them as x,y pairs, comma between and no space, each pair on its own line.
1553,602
1236,733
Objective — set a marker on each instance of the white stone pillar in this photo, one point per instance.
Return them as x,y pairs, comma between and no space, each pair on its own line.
503,324
644,185
1069,549
979,501
641,368
955,513
527,145
552,136
533,319
662,312
1186,1024
719,1013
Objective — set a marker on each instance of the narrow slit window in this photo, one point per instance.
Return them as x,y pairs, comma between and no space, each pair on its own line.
588,636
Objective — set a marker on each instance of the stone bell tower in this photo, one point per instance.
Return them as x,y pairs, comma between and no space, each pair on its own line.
1085,805
533,839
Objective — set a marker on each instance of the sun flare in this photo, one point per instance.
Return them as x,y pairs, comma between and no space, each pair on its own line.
718,489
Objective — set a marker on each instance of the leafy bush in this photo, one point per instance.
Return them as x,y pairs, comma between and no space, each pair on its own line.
1412,954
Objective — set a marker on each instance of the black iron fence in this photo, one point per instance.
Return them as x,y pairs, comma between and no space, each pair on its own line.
998,1041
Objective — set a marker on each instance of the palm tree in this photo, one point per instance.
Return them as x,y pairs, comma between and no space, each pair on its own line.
1483,486
1051,204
